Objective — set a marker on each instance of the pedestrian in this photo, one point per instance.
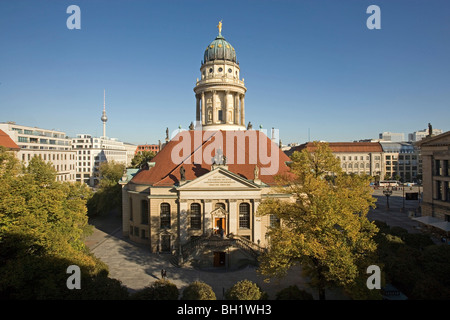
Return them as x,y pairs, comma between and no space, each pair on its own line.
163,273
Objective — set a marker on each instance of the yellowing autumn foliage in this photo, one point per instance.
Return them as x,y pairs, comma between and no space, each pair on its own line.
325,227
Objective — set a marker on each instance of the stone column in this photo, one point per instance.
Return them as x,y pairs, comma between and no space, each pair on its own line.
242,110
203,109
213,96
207,219
232,217
257,234
227,108
444,190
435,189
183,221
236,108
126,211
197,113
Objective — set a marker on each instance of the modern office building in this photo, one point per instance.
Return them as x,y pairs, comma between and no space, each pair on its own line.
92,151
392,136
50,145
402,159
421,134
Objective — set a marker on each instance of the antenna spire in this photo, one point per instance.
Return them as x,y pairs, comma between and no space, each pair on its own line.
104,118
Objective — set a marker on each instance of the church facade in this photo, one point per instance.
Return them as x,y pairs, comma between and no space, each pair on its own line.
198,198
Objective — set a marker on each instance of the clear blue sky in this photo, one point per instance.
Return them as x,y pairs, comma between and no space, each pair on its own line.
308,65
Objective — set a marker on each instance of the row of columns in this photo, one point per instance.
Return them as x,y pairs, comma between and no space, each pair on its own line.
238,108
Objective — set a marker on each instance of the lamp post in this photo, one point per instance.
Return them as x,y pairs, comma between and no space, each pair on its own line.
387,193
403,197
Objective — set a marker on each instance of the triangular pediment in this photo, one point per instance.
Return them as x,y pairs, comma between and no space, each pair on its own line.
221,179
441,139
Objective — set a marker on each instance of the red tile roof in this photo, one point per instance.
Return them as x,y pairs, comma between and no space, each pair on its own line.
195,150
7,142
342,147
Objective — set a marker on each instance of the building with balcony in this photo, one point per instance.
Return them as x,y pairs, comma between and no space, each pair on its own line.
50,145
92,151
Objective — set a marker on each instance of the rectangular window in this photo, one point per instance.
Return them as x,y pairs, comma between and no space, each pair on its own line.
437,167
244,216
274,221
165,216
131,208
144,212
196,216
446,170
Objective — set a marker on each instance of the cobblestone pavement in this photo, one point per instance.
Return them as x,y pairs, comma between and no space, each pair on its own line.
137,268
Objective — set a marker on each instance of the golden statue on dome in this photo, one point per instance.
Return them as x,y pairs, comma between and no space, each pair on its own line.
219,26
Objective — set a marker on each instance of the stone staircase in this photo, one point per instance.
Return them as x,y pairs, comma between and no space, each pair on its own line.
216,242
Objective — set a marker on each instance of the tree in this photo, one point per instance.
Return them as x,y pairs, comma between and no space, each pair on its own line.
244,290
198,290
109,194
141,158
293,293
325,227
43,224
158,290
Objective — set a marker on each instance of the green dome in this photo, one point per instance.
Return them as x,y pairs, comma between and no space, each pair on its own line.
219,49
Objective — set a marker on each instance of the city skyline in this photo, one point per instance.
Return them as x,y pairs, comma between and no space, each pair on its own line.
314,72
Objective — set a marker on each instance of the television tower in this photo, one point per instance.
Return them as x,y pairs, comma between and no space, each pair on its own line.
104,118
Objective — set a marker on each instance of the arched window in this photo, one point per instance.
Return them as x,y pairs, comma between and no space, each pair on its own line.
244,215
165,216
144,212
196,216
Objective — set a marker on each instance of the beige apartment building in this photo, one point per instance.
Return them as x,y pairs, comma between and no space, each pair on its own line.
50,145
355,157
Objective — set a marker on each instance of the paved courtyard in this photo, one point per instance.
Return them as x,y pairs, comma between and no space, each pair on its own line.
137,268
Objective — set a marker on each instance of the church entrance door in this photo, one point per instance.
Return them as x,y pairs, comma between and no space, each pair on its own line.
219,259
165,243
219,226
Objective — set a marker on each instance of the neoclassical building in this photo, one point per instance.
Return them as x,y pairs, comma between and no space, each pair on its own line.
198,198
436,177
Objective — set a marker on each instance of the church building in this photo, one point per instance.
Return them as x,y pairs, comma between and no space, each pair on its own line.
198,198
